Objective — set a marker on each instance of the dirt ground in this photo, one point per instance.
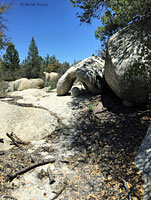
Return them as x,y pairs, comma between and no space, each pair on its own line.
108,141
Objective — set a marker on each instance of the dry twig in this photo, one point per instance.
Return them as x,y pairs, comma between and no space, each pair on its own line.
60,191
13,140
50,175
26,169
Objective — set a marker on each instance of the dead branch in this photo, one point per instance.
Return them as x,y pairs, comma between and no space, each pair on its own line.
65,161
9,197
75,166
19,141
50,175
2,153
60,191
13,140
26,169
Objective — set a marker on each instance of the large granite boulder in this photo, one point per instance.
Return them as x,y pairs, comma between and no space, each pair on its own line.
90,72
128,62
143,163
24,83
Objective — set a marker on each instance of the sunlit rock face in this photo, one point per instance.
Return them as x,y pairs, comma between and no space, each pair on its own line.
90,72
128,62
24,83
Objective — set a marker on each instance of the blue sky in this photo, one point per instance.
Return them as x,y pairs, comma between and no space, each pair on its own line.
55,28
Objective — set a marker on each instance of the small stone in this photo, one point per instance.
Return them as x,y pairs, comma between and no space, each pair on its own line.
127,103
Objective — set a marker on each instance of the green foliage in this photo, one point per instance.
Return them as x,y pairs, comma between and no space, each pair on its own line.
75,62
10,63
11,57
91,107
53,64
50,63
3,88
63,68
3,38
45,63
52,84
114,14
32,64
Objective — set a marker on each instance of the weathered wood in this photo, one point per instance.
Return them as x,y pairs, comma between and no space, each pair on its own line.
60,191
13,140
9,197
2,153
26,169
50,175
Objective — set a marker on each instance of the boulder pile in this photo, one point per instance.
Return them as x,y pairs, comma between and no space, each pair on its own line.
90,72
128,62
126,69
24,83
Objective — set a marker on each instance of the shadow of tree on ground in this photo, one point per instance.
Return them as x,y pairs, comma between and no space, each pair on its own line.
111,138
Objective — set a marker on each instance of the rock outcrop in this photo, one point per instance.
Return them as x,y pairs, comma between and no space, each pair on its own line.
143,163
28,123
24,83
52,76
128,62
75,91
90,72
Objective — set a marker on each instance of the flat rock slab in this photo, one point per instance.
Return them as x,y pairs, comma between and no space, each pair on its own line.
143,162
62,106
29,95
79,158
26,123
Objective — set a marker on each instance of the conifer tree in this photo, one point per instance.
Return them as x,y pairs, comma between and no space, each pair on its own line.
32,64
114,14
3,38
10,62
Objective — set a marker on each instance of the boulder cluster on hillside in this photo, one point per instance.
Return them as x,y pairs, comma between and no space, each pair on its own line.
126,69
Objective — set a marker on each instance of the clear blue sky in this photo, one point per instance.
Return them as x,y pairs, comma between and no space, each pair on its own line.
54,26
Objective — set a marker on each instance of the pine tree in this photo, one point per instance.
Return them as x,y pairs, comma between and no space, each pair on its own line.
33,62
114,14
10,62
3,38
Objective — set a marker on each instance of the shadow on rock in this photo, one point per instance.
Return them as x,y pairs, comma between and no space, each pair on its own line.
143,162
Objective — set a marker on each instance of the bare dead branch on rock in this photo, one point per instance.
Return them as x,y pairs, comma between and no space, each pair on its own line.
50,175
26,169
13,140
9,197
60,191
2,153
